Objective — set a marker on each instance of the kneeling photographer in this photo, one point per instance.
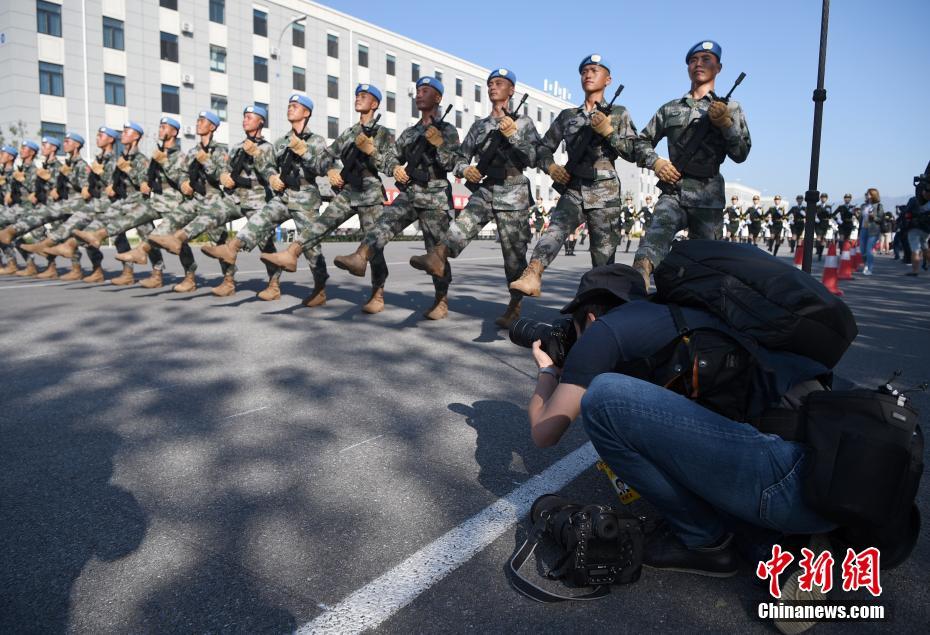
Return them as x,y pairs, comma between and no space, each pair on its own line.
704,472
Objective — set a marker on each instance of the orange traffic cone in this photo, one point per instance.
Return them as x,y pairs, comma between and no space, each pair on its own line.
798,257
856,256
830,279
846,269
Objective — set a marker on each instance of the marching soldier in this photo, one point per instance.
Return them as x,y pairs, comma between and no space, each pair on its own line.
693,195
776,216
822,226
627,219
796,220
731,215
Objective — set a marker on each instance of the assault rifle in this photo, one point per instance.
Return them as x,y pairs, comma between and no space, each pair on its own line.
417,174
240,161
355,162
690,142
580,160
491,151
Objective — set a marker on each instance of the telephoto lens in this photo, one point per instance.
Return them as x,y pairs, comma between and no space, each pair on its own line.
556,339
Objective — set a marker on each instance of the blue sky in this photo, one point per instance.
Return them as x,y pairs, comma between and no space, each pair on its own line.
876,129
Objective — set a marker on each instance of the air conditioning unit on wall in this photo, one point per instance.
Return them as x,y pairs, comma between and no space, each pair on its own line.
187,79
275,51
190,131
187,28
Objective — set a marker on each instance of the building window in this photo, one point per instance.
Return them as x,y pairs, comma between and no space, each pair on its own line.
169,47
300,78
458,86
298,36
551,117
219,105
169,4
259,23
414,72
458,118
363,56
332,127
218,11
332,87
413,109
51,79
539,115
48,16
390,63
260,69
332,46
113,34
391,102
170,99
477,93
114,89
217,58
438,75
526,110
49,129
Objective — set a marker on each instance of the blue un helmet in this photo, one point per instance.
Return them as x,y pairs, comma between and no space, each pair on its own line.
594,58
110,132
10,150
171,121
55,141
78,139
301,99
255,109
433,83
29,143
505,73
132,125
705,45
371,89
210,116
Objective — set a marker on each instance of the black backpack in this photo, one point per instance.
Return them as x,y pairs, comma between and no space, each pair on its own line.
779,307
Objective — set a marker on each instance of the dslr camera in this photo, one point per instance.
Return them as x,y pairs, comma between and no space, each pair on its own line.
556,338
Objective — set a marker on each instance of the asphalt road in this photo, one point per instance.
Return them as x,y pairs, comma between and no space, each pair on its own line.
186,463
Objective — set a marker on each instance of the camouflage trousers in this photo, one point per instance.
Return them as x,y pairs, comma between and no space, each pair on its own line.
133,212
176,211
512,227
434,224
569,213
209,215
301,206
336,213
35,219
669,218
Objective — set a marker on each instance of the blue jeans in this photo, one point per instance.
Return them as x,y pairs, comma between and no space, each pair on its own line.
867,242
698,468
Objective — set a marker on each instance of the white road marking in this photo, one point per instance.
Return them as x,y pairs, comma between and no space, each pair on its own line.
142,392
360,443
247,412
89,370
374,603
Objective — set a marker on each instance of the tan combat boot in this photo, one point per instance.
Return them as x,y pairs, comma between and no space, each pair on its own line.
10,268
271,292
76,273
65,249
39,247
644,267
93,238
286,259
356,263
432,262
138,255
317,297
439,310
154,281
171,242
51,271
29,271
375,303
188,284
126,278
94,276
7,235
530,282
225,288
227,253
511,314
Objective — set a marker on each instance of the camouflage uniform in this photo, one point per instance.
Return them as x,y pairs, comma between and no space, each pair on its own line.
131,204
503,195
301,205
367,201
429,204
694,203
26,186
594,202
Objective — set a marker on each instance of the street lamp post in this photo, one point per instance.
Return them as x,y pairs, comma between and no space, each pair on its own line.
277,73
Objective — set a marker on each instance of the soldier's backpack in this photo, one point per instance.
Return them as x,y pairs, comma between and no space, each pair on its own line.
778,306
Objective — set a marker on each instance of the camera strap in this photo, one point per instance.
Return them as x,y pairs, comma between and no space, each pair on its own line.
532,591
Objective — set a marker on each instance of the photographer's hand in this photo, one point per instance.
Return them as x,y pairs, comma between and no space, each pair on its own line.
553,406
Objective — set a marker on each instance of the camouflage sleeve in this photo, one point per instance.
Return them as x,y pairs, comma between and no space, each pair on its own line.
550,143
338,146
53,167
384,145
265,162
140,168
623,138
78,176
108,168
648,139
524,143
216,164
737,135
448,153
467,150
177,163
317,157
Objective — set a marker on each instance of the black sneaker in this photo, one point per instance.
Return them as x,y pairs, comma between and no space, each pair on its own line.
665,551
